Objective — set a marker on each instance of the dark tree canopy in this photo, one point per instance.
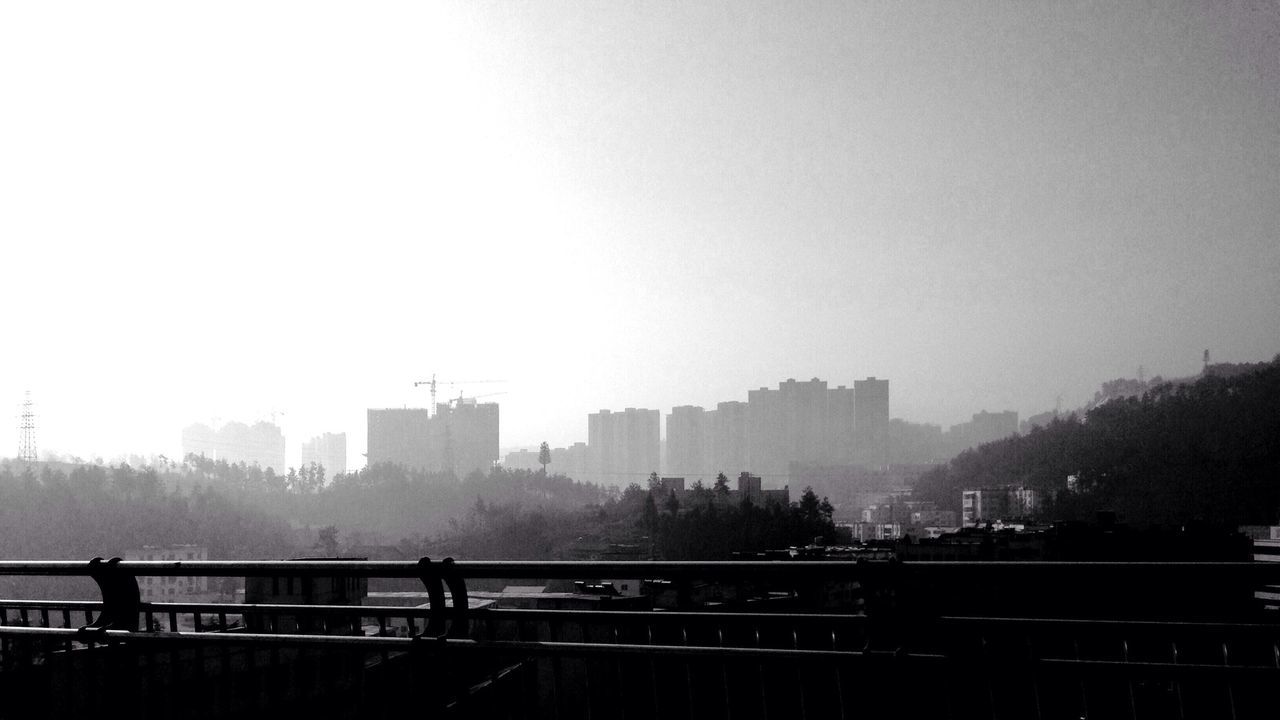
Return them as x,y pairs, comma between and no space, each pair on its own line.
1207,451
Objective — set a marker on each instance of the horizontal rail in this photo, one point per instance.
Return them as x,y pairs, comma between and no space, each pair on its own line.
1108,668
160,608
1153,670
650,616
737,570
506,647
613,616
1110,624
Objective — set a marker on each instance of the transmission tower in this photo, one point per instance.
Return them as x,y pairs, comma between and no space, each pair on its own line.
27,432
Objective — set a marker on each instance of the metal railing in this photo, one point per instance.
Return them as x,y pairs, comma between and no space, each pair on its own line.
891,646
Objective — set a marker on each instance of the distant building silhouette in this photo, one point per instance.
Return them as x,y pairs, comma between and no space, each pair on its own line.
748,488
261,444
522,460
871,422
799,422
1039,420
461,437
726,439
328,451
687,447
623,447
985,427
917,443
200,439
569,461
399,436
465,436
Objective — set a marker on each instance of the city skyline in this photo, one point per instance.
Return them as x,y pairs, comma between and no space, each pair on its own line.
610,207
295,450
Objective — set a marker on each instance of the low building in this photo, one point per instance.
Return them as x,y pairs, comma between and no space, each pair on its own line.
988,505
307,590
749,488
189,588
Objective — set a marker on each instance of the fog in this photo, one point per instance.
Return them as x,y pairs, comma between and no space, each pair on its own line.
237,210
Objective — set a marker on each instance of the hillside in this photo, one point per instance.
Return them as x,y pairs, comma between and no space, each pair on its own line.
1205,451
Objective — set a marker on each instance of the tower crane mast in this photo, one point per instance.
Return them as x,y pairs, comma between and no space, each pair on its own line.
434,384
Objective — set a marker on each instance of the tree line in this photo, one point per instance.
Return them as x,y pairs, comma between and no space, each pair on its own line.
652,524
1206,451
106,511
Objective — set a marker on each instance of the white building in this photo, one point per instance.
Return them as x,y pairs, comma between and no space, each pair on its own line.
188,588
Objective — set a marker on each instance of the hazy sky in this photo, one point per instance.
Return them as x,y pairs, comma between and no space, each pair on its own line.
220,210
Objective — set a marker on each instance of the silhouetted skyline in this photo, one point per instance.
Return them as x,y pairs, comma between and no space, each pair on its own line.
217,212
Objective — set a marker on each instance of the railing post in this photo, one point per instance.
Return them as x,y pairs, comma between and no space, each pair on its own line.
121,599
435,595
458,593
435,578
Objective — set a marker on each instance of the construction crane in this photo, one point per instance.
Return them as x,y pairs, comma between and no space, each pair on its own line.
434,384
461,399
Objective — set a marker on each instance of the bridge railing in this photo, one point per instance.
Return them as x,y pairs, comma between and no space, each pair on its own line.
892,643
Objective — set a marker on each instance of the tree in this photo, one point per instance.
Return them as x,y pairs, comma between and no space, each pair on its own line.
701,493
654,481
672,505
544,457
124,481
722,484
650,514
810,506
328,541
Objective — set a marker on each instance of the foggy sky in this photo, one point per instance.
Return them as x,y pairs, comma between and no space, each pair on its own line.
224,210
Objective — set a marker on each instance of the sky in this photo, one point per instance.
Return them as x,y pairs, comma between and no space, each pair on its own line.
240,210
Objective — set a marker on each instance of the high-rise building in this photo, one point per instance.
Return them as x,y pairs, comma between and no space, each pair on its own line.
767,454
841,421
916,443
623,447
399,436
727,439
802,422
570,461
261,444
987,427
984,427
522,460
687,442
200,439
460,438
871,422
464,437
329,451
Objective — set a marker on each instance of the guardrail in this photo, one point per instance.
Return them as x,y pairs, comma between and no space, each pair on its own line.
890,652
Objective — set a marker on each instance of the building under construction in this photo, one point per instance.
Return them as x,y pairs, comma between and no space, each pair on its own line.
461,437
